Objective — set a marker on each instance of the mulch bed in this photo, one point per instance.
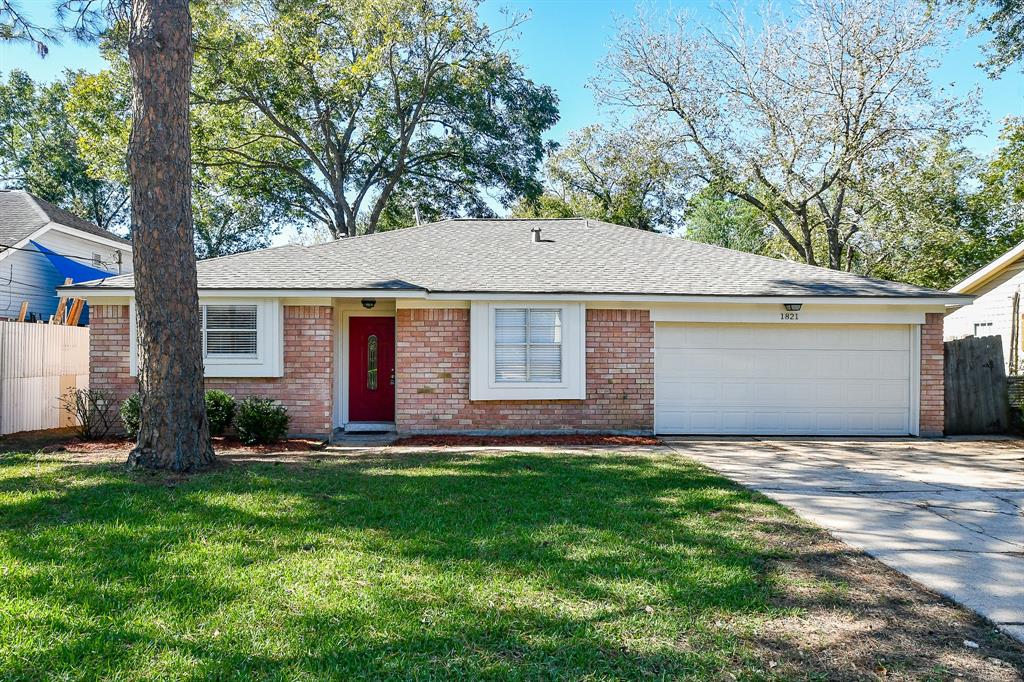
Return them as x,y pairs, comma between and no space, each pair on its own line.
220,444
556,440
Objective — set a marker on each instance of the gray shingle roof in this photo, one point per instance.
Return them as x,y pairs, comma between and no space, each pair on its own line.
499,256
21,214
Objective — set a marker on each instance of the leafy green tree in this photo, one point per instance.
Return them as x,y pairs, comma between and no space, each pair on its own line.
930,228
355,112
715,217
1004,21
550,204
945,213
228,218
1003,179
618,175
40,150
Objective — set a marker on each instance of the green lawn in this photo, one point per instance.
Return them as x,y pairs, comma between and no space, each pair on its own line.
437,566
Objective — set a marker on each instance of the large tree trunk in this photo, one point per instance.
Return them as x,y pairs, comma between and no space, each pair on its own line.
174,433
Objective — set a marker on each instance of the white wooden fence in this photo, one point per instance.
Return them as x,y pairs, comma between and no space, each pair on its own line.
38,364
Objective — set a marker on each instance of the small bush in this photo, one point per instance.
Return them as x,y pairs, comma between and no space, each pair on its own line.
261,421
94,411
131,414
220,411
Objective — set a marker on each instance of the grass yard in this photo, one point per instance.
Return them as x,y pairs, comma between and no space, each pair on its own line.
443,565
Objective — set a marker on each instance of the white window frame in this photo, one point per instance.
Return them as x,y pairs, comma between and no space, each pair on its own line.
982,326
482,384
269,358
205,328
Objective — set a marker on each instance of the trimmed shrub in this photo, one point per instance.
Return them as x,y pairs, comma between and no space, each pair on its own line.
220,411
261,421
131,414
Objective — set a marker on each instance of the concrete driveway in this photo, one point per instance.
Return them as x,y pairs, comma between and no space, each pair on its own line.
949,513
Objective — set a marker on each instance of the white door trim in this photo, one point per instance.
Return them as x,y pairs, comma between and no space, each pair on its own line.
343,310
915,380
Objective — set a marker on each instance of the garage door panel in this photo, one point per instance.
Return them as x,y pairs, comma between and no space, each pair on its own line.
778,379
893,365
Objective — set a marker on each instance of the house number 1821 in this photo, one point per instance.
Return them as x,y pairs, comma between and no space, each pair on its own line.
789,316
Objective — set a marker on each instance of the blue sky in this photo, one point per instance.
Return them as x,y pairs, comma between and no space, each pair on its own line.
563,41
561,44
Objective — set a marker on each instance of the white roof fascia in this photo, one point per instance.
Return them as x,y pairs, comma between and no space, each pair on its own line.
101,292
13,248
60,227
75,232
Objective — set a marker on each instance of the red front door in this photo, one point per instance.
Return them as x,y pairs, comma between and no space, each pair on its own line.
371,369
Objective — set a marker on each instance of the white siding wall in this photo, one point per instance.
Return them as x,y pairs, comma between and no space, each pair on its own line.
37,363
35,280
993,306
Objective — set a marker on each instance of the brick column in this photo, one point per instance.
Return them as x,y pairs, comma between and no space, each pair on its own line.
109,352
933,390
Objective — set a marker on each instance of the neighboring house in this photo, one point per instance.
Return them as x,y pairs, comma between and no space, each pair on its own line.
30,227
553,325
997,309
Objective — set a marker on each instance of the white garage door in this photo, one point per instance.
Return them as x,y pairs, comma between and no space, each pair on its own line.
781,379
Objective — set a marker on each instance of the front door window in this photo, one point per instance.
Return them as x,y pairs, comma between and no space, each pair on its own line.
371,362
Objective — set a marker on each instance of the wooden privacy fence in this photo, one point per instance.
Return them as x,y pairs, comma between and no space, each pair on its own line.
38,364
976,395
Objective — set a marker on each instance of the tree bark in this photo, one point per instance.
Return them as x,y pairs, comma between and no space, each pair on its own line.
174,433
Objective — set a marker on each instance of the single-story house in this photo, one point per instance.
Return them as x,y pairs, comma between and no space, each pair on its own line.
41,246
997,309
553,325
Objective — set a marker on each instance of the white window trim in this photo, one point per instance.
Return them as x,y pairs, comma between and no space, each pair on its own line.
981,326
482,385
269,358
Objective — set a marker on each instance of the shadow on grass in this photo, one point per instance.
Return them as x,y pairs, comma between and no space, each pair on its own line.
428,566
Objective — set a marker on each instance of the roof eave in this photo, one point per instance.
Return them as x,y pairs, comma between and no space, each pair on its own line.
989,272
84,290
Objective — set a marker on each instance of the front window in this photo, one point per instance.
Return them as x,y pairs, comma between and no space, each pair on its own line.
528,345
229,331
984,329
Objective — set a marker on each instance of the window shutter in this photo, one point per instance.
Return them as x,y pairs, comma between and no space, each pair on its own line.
229,330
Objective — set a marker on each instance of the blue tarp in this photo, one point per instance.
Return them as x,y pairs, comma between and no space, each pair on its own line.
78,272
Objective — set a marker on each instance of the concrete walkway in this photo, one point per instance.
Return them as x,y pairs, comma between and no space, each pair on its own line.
947,513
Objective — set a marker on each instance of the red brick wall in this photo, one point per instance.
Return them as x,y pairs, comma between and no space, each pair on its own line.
109,354
306,389
932,376
432,372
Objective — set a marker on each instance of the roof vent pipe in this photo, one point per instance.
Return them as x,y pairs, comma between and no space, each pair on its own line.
536,234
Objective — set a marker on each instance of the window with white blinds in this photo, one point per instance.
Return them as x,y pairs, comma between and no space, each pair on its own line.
528,345
242,337
229,331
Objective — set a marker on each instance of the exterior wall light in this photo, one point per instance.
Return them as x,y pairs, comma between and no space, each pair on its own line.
792,307
368,303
